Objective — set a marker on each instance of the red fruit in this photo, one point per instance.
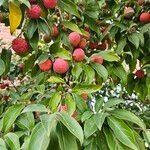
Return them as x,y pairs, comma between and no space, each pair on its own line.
141,2
60,66
84,96
78,54
145,17
128,12
55,31
1,17
2,86
50,4
93,45
20,46
46,65
97,59
32,1
74,38
82,43
34,12
139,74
63,108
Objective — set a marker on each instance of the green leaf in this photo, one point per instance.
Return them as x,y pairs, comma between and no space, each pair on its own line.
49,122
39,139
55,79
62,53
121,45
72,125
26,2
101,70
66,140
6,57
25,121
112,102
120,72
31,28
69,7
129,116
89,127
2,144
99,119
10,116
86,115
43,26
145,28
109,56
34,41
35,107
147,136
90,73
71,104
77,70
134,39
2,68
54,101
110,139
122,132
12,141
89,88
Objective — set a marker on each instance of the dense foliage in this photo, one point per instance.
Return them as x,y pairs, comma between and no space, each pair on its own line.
77,76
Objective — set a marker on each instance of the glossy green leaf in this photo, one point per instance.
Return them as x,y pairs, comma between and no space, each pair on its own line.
55,79
10,116
2,144
2,68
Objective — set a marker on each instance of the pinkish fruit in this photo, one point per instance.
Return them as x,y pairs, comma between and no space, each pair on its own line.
97,59
34,12
128,12
78,54
145,17
74,38
63,108
20,46
46,65
50,4
55,31
60,66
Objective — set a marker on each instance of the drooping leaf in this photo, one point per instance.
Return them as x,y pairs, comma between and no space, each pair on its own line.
10,116
15,16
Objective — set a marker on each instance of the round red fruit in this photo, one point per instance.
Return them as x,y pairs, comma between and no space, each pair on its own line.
97,59
55,31
32,1
34,12
63,108
60,66
82,43
46,65
145,17
78,54
93,45
20,46
50,4
139,74
74,38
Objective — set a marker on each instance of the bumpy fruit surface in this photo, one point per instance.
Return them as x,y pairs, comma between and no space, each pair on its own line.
60,66
78,54
50,4
145,17
34,12
97,59
139,74
20,46
128,12
74,115
46,65
74,38
82,43
55,31
141,2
